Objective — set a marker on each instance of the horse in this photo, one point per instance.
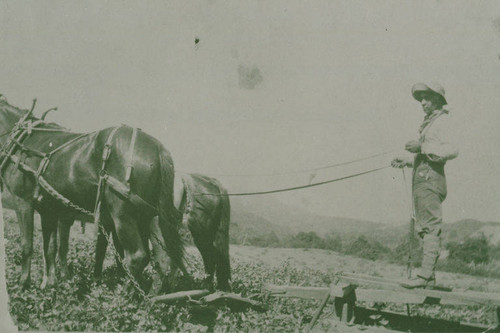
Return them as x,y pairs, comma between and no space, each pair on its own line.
121,175
205,208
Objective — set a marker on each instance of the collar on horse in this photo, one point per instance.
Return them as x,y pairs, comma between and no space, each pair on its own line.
24,128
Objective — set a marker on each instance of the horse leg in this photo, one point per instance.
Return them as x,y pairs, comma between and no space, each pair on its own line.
223,269
105,228
222,265
49,233
208,253
134,242
24,214
162,261
118,253
64,226
100,249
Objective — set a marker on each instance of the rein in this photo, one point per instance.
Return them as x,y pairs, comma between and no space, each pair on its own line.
293,188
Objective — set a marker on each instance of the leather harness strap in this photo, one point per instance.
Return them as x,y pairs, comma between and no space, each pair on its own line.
10,147
128,172
116,185
24,128
187,182
102,180
124,191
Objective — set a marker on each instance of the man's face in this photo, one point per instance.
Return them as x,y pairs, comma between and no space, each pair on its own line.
430,102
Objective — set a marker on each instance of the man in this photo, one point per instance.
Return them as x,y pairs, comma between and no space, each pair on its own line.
432,150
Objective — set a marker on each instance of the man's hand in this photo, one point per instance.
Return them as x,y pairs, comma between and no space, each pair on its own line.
413,146
400,162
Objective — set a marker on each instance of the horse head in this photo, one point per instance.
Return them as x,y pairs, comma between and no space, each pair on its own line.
10,116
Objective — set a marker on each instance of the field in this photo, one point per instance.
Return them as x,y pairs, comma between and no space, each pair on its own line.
79,304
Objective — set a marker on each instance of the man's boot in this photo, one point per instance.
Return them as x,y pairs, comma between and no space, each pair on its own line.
419,282
426,277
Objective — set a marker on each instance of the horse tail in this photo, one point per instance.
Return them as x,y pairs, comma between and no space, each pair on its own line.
168,216
221,242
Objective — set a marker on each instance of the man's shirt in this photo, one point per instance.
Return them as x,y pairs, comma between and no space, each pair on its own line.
437,138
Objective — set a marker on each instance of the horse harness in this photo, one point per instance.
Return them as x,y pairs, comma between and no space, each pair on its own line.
24,128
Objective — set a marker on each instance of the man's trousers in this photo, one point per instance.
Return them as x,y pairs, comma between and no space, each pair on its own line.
429,191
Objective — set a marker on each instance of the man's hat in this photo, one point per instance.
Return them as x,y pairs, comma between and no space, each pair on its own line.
419,88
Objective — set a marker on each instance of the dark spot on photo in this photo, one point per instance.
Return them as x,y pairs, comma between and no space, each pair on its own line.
249,77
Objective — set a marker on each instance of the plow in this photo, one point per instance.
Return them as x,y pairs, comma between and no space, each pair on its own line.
349,293
355,300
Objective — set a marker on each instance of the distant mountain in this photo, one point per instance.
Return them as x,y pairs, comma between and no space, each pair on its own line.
272,215
247,225
472,228
265,215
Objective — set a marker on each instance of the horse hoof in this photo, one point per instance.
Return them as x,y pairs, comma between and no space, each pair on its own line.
155,289
25,283
98,277
47,283
224,287
209,285
65,273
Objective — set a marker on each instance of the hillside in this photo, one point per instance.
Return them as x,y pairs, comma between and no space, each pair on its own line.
265,215
291,220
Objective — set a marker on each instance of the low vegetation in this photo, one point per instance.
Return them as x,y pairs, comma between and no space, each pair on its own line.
81,304
473,255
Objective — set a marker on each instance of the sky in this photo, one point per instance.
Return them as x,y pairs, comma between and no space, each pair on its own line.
260,87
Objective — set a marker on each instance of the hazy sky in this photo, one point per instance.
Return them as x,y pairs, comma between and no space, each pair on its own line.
272,86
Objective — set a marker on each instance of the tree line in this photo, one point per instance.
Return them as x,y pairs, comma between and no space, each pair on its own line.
473,255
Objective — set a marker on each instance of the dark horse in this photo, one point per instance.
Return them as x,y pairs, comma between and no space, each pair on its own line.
57,173
205,209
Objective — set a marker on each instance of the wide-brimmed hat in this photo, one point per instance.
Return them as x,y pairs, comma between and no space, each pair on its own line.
436,88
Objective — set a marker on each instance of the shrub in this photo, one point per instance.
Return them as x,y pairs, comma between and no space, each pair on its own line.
333,242
471,250
400,253
267,240
494,252
307,240
364,248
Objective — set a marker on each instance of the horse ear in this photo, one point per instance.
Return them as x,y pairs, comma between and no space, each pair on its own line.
46,112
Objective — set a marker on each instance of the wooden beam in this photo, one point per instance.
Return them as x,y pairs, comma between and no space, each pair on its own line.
234,301
180,296
318,293
392,296
318,312
299,292
386,292
456,297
